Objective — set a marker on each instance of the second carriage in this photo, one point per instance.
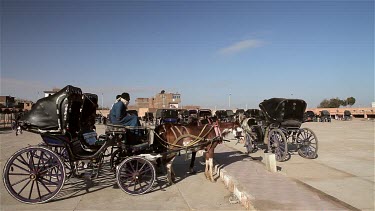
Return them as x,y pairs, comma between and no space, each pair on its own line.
277,129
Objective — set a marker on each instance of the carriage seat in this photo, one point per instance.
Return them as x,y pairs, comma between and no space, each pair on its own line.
291,123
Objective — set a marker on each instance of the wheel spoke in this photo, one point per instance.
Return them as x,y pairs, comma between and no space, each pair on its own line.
18,174
23,188
40,158
49,191
31,189
142,167
49,168
28,171
37,187
31,159
23,162
49,181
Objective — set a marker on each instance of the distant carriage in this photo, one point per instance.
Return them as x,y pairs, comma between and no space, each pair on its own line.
166,116
309,116
325,116
347,115
280,127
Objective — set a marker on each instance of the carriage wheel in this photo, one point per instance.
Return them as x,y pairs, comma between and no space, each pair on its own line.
308,143
116,158
63,153
34,175
277,143
135,175
249,143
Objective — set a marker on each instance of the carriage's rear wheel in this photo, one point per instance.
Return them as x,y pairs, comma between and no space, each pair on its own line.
34,175
135,175
277,143
249,143
308,143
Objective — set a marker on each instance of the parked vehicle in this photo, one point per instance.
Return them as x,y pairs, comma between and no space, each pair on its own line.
309,116
324,116
347,115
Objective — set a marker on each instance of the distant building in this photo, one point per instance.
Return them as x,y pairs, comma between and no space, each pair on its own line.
7,101
142,102
373,104
161,100
25,105
167,100
49,93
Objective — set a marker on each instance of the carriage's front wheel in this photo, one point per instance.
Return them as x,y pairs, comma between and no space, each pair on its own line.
308,143
277,143
249,143
135,175
34,175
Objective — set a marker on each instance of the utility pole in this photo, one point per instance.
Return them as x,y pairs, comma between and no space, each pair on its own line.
229,100
102,100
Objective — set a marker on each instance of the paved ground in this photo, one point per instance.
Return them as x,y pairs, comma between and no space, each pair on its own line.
341,178
344,169
191,192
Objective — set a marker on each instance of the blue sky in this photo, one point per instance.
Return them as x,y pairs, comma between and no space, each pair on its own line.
253,50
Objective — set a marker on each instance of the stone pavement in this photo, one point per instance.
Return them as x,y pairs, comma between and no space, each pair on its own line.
259,189
342,177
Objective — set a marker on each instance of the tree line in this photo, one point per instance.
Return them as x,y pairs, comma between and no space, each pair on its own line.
336,102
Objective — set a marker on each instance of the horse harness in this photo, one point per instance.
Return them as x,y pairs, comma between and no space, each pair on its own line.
197,139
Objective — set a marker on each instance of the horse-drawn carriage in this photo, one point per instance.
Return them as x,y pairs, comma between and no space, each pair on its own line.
324,116
347,115
72,148
65,122
278,128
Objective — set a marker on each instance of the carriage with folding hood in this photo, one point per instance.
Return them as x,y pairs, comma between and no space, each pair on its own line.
66,124
277,126
71,148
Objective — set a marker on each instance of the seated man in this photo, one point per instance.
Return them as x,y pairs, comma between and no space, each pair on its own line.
119,115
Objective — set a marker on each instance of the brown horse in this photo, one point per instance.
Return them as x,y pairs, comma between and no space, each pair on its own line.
175,138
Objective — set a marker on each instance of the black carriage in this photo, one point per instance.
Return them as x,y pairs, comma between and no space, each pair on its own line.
347,115
166,116
281,128
221,115
204,116
65,121
325,116
309,116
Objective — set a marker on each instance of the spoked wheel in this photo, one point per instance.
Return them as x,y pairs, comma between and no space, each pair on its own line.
34,175
116,158
135,175
308,143
277,143
249,143
63,153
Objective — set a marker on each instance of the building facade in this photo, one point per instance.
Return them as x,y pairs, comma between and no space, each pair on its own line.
160,100
7,101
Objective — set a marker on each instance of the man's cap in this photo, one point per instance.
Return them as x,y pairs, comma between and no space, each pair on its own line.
125,96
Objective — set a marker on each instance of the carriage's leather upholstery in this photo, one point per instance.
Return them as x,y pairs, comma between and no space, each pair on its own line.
47,113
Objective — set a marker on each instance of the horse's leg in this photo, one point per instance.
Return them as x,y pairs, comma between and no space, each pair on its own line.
211,164
192,161
170,172
207,167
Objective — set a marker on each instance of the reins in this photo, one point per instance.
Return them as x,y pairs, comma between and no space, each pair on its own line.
196,140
